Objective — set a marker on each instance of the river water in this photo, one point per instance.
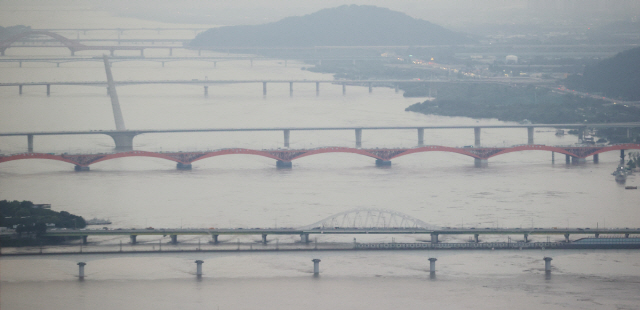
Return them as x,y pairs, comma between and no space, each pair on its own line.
515,190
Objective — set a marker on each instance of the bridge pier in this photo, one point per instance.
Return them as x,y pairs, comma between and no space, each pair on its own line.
30,143
48,90
264,238
547,264
264,88
81,270
358,138
434,238
480,162
283,164
73,53
476,238
383,163
20,64
142,53
566,238
597,235
370,87
596,158
111,52
57,65
215,239
84,239
199,268
171,51
290,89
626,235
2,51
199,52
133,239
182,166
206,90
215,64
397,87
304,238
317,89
622,157
81,168
432,265
420,136
316,267
526,238
344,89
567,159
530,135
123,141
19,89
476,133
286,137
553,157
174,239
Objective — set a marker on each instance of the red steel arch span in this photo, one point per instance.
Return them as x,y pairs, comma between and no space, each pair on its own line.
85,160
70,44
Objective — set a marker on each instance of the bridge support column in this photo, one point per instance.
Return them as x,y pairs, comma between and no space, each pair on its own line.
2,52
206,91
434,238
283,164
304,238
622,157
215,64
287,133
476,133
214,239
626,235
370,87
567,159
81,270
358,138
19,89
317,89
123,141
480,162
57,64
526,238
290,89
383,163
20,64
316,267
397,87
530,135
182,166
432,265
73,53
476,238
344,89
596,158
133,239
163,64
553,157
84,239
170,51
566,238
597,235
174,239
264,238
547,264
199,268
264,88
81,168
199,52
48,90
420,136
142,53
30,143
111,52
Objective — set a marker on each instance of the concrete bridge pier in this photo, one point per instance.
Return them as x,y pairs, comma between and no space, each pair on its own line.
316,267
20,64
284,164
123,141
183,166
170,51
57,65
526,238
206,91
344,89
287,133
111,52
215,239
81,168
199,268
73,53
420,136
19,89
142,53
174,239
383,163
358,138
567,159
84,239
622,157
370,87
530,135
553,157
480,162
133,239
290,89
304,238
626,235
48,90
397,87
597,235
264,238
476,238
566,238
2,51
596,158
30,143
547,264
264,88
434,238
476,133
81,270
317,89
432,265
163,64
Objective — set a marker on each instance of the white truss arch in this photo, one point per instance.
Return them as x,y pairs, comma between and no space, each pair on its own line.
370,218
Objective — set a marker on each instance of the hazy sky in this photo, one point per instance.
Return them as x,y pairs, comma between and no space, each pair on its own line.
452,13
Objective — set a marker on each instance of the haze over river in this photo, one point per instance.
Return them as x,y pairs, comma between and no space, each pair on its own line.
444,189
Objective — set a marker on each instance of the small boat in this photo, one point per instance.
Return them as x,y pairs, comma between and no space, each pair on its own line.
560,132
97,221
620,174
630,187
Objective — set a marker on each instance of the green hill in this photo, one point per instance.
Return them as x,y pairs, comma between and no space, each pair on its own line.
347,25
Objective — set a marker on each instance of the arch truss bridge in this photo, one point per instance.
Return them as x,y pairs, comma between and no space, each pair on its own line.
370,219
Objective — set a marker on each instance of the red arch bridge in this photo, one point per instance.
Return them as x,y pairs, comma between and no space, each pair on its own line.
284,157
